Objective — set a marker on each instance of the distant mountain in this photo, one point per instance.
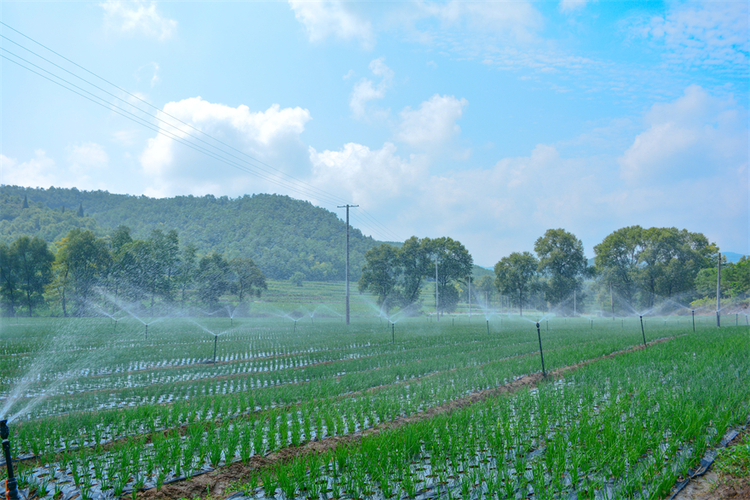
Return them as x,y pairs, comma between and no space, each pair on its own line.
281,234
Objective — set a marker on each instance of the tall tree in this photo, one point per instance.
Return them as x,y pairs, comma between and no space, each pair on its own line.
34,262
247,278
617,261
381,274
454,266
186,271
86,258
516,276
9,279
415,265
562,261
212,277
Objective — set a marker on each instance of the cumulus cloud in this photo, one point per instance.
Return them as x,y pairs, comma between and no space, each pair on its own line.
703,33
365,90
691,137
87,168
433,123
271,136
137,16
372,177
332,18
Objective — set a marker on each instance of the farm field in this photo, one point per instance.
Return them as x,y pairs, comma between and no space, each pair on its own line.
100,408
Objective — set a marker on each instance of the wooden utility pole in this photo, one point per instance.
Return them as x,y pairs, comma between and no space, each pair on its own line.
718,293
347,258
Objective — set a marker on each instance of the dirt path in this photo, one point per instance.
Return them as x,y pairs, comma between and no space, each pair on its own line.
218,483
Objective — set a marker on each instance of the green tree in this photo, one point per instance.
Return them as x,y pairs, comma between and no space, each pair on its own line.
454,265
381,274
213,277
247,278
186,271
516,276
562,261
9,279
617,261
414,262
162,261
34,262
85,259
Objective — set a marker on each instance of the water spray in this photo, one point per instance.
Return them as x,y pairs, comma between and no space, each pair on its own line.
539,333
11,486
643,331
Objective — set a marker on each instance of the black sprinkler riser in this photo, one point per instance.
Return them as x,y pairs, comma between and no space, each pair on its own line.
11,485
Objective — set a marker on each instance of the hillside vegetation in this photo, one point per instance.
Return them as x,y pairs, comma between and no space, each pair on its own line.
282,235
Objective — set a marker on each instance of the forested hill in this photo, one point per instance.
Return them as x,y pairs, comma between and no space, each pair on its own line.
282,235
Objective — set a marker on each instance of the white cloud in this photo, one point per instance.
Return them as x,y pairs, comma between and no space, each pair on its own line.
703,33
518,20
87,168
365,90
271,136
87,158
371,177
332,18
40,171
433,124
569,6
137,16
694,136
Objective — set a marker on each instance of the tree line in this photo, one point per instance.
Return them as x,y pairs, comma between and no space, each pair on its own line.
154,272
634,268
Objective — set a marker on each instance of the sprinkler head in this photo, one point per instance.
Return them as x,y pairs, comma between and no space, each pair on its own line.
537,325
4,431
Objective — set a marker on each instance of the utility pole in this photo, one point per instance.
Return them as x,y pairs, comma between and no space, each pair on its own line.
347,258
437,311
718,294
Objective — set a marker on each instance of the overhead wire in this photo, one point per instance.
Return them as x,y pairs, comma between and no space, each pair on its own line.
288,181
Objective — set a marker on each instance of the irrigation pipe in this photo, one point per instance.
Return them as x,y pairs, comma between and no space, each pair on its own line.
707,460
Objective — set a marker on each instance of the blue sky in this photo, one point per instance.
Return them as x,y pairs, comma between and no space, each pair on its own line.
489,122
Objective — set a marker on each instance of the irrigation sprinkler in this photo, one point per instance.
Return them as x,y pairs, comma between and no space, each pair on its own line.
693,312
216,339
295,326
539,334
488,327
736,319
393,332
11,486
643,331
547,325
146,331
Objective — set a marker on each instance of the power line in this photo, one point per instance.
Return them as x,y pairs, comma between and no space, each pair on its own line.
251,165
